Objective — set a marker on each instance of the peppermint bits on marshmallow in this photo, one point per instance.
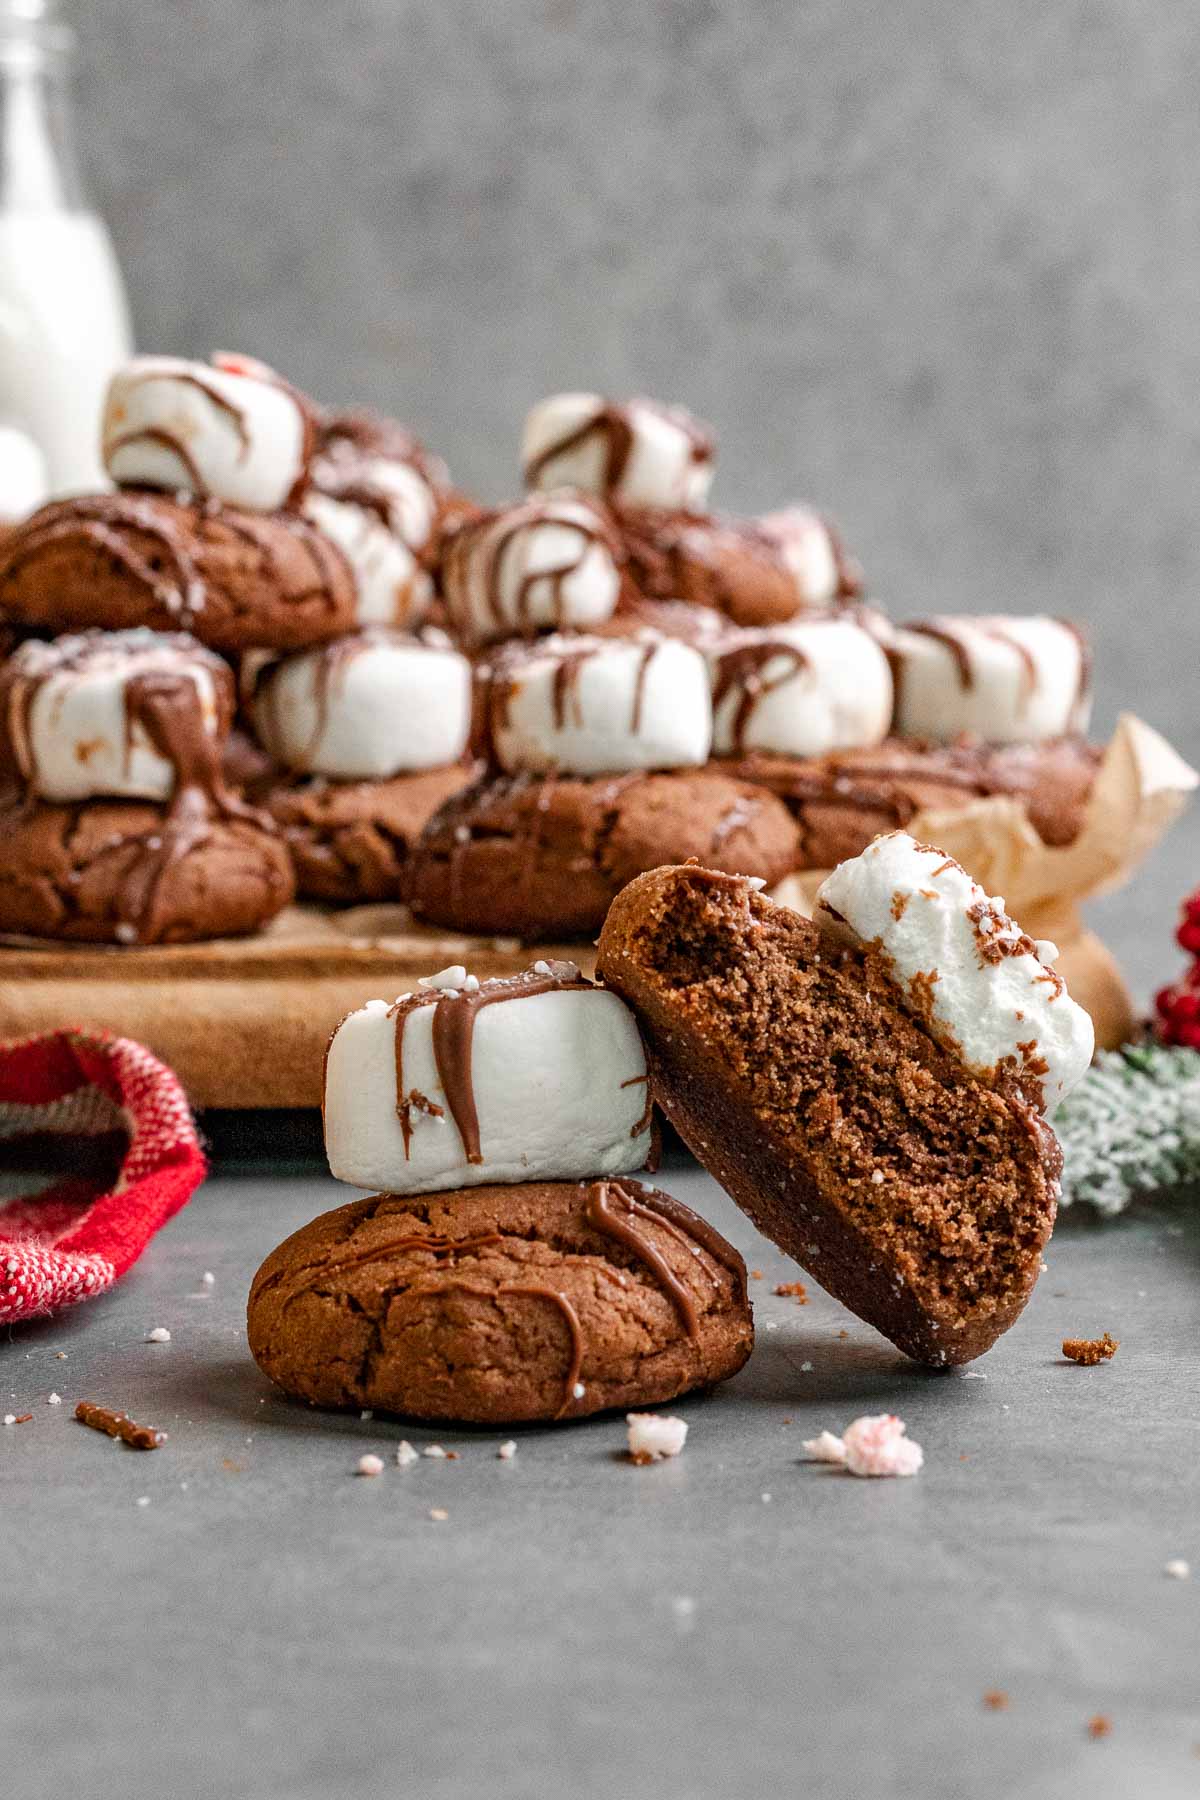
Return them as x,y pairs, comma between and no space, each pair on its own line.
979,985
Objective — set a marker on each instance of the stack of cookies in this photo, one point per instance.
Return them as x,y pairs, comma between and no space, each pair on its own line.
656,682
251,540
509,1270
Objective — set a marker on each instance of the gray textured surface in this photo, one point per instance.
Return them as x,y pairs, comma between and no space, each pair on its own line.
931,264
279,1629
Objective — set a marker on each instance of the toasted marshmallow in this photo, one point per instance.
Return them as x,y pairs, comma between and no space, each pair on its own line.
1007,680
366,707
599,706
229,430
392,587
800,689
983,989
544,563
811,552
539,1077
84,716
638,453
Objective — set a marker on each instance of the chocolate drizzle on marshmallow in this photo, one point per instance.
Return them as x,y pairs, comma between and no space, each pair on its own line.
455,1012
615,425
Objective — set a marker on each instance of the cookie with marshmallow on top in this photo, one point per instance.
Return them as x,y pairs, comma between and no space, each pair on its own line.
510,1267
120,825
598,754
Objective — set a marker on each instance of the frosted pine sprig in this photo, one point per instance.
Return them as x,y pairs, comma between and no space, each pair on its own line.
1131,1126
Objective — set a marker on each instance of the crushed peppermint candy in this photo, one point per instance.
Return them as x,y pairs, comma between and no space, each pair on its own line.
53,1399
159,1335
653,1436
1177,1569
874,1444
433,1450
405,1454
369,1465
507,1450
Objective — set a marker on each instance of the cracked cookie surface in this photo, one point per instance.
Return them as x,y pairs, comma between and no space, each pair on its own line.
540,1301
77,872
545,857
352,841
235,580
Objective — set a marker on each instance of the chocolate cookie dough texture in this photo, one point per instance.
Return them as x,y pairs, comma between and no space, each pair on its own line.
603,744
1002,680
513,1271
871,1088
372,730
122,827
552,562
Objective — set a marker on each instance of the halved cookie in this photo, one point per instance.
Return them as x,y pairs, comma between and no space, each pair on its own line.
916,1187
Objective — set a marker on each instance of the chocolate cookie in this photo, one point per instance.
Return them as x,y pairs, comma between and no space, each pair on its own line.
498,1305
544,857
738,566
132,872
235,580
844,800
351,841
917,1194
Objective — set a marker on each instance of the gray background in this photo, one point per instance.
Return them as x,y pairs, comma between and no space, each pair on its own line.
932,264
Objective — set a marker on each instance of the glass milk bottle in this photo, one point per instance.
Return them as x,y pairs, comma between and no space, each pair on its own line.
64,322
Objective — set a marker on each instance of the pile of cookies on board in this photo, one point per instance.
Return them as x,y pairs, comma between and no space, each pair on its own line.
285,655
873,1088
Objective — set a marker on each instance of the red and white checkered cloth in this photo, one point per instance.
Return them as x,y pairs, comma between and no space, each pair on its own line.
73,1239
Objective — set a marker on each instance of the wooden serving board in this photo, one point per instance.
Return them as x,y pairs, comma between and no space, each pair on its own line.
244,1021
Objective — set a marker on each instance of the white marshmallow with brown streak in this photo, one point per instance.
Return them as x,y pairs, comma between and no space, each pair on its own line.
366,707
229,430
634,452
73,722
600,706
391,586
810,552
554,1074
548,563
1007,680
801,689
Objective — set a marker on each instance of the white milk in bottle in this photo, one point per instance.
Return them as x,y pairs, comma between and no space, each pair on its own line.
64,323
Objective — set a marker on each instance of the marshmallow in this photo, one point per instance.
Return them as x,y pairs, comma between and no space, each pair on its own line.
983,989
231,430
800,689
812,554
599,706
366,707
543,563
640,453
538,1077
400,493
83,716
392,587
1006,680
